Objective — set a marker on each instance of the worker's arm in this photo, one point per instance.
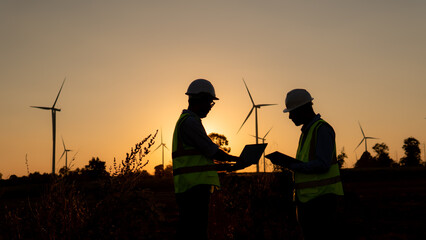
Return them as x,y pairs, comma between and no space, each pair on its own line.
225,157
193,134
323,154
237,163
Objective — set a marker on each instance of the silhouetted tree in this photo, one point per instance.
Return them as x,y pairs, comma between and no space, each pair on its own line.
1,176
341,158
366,161
145,173
168,171
95,168
159,170
412,153
221,141
36,177
64,171
382,155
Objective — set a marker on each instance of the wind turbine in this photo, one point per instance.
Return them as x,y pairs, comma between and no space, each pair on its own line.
364,138
65,153
53,110
162,145
255,107
263,141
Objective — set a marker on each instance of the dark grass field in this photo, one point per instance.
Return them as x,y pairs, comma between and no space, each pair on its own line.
378,204
385,203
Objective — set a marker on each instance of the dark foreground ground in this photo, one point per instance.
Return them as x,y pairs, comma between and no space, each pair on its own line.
378,204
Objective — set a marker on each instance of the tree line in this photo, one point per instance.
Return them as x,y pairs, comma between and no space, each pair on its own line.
382,159
97,168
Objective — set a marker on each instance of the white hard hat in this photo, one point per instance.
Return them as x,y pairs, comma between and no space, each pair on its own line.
201,86
296,98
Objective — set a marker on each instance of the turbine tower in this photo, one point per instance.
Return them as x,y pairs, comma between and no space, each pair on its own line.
364,139
263,141
65,153
162,145
255,107
53,110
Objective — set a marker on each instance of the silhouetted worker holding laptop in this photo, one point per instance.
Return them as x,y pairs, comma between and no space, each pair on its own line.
194,172
316,172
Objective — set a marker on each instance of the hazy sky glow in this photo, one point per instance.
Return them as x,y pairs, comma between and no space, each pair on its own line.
128,64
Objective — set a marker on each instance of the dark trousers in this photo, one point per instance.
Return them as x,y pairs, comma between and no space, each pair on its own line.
317,217
193,208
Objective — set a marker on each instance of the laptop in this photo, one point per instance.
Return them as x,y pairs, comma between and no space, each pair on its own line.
252,152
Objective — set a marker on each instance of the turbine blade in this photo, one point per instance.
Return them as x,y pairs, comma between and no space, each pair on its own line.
359,143
63,143
44,108
361,129
246,118
255,137
74,155
263,105
267,133
166,147
248,92
371,138
58,93
61,156
157,148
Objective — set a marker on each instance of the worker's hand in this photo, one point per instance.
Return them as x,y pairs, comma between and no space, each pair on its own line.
280,162
277,161
284,164
223,157
226,167
235,159
241,164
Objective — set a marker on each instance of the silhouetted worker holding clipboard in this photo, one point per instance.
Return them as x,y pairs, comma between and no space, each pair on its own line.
194,172
316,172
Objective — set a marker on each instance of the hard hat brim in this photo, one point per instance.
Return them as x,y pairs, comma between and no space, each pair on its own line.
295,107
202,95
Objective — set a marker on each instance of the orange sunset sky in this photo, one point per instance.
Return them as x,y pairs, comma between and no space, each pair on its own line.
128,64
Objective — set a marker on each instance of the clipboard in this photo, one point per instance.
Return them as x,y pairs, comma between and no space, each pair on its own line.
277,157
252,152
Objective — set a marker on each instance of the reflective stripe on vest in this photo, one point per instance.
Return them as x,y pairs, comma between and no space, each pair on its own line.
193,169
309,186
318,183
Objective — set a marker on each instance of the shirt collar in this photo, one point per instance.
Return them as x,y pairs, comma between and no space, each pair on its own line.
193,114
305,127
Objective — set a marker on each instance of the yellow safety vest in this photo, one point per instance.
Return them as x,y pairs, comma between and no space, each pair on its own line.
190,166
310,186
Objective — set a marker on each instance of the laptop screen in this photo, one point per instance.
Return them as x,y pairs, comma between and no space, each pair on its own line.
252,152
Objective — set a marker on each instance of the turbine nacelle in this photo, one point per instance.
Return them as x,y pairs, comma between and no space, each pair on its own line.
47,108
264,137
263,105
65,152
364,138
